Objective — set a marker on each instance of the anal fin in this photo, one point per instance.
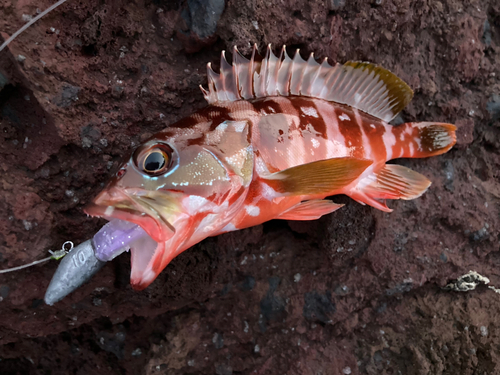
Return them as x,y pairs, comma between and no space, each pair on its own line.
310,210
318,177
391,182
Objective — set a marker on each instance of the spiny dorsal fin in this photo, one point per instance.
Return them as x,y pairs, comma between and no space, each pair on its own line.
362,85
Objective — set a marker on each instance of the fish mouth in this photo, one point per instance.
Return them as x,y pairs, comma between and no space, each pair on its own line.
139,209
151,210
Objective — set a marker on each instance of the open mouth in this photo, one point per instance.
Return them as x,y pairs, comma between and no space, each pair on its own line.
139,221
153,227
134,230
119,236
137,210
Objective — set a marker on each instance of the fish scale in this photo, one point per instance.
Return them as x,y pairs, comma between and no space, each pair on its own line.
356,135
278,137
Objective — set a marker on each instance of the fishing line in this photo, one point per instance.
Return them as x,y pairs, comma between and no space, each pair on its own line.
31,22
58,254
68,245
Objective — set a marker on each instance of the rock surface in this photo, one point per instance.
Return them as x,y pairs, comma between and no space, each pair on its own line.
356,292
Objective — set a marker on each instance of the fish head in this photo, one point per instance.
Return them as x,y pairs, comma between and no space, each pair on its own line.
180,186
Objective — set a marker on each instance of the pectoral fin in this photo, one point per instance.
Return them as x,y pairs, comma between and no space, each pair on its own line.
310,210
319,177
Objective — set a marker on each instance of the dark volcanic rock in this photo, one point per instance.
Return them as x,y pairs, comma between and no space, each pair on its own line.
318,306
88,82
202,16
493,107
67,95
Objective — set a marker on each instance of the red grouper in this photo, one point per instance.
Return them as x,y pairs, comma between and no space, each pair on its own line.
279,135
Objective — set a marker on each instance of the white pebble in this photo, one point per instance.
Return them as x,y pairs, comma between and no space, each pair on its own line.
484,331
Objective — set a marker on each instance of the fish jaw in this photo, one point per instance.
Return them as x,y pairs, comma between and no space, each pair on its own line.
201,218
149,258
150,210
115,203
144,253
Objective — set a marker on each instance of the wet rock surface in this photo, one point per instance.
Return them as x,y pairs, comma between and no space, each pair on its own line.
356,292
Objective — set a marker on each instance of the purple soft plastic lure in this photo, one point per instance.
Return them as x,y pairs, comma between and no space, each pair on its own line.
84,260
115,238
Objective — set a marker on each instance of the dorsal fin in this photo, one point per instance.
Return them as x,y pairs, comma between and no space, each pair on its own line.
362,85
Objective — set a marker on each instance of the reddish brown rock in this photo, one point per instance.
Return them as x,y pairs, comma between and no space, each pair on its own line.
465,132
356,292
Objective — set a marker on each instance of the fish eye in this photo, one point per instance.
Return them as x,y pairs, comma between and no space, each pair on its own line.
154,160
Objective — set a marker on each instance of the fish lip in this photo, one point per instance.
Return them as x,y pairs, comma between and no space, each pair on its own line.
158,229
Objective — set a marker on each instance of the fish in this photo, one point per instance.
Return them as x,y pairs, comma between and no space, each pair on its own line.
279,136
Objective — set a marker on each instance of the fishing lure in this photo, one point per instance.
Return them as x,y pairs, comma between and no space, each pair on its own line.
278,137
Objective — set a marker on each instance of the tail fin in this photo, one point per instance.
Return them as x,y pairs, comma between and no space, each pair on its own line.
425,139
